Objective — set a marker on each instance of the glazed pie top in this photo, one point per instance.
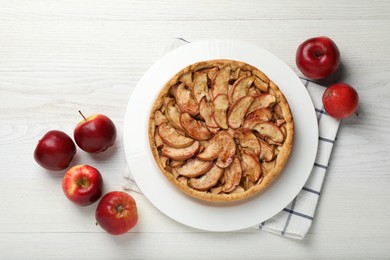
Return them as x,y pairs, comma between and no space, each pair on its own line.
221,130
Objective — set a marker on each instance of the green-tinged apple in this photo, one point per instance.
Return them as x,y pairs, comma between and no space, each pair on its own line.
95,133
83,185
55,151
117,213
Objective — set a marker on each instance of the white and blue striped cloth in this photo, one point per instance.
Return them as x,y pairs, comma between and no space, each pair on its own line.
296,218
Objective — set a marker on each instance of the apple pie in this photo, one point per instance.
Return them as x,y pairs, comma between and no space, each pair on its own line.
221,130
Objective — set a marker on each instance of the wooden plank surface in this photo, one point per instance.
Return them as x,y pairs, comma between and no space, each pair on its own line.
59,57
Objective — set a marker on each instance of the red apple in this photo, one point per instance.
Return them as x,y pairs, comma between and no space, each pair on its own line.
117,212
82,184
318,57
95,133
55,151
340,100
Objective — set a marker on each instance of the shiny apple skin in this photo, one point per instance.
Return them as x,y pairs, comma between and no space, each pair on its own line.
340,100
82,184
95,134
117,213
318,57
54,151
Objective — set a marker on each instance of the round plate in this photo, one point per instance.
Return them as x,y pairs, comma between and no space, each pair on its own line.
219,216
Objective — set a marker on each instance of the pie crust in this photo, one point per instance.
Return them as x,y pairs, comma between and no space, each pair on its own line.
221,130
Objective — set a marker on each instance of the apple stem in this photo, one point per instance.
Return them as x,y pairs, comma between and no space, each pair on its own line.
82,115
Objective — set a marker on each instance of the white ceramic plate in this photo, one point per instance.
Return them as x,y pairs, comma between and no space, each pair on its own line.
226,216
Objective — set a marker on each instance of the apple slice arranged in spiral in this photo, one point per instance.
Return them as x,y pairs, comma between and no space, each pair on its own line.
263,114
194,128
250,165
157,140
256,117
199,87
194,167
172,113
171,137
221,147
227,150
247,139
220,82
241,88
207,180
186,78
238,111
232,176
221,105
206,110
185,100
262,101
269,130
260,85
261,76
180,153
211,150
159,118
267,152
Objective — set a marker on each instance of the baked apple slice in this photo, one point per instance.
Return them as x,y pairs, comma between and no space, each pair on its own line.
263,114
267,151
159,118
207,180
211,73
278,111
227,150
220,82
172,113
241,87
211,150
186,101
177,163
251,166
261,101
221,105
269,130
254,92
235,74
186,78
256,117
157,140
267,167
199,86
247,139
171,137
221,146
194,167
238,111
194,128
232,176
206,110
164,161
261,76
260,85
280,122
180,153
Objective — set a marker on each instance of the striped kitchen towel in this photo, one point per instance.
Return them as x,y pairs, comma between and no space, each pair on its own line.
295,219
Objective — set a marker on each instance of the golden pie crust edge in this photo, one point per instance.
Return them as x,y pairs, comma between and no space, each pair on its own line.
281,159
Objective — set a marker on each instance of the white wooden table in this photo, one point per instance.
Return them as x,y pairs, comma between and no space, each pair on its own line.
58,57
